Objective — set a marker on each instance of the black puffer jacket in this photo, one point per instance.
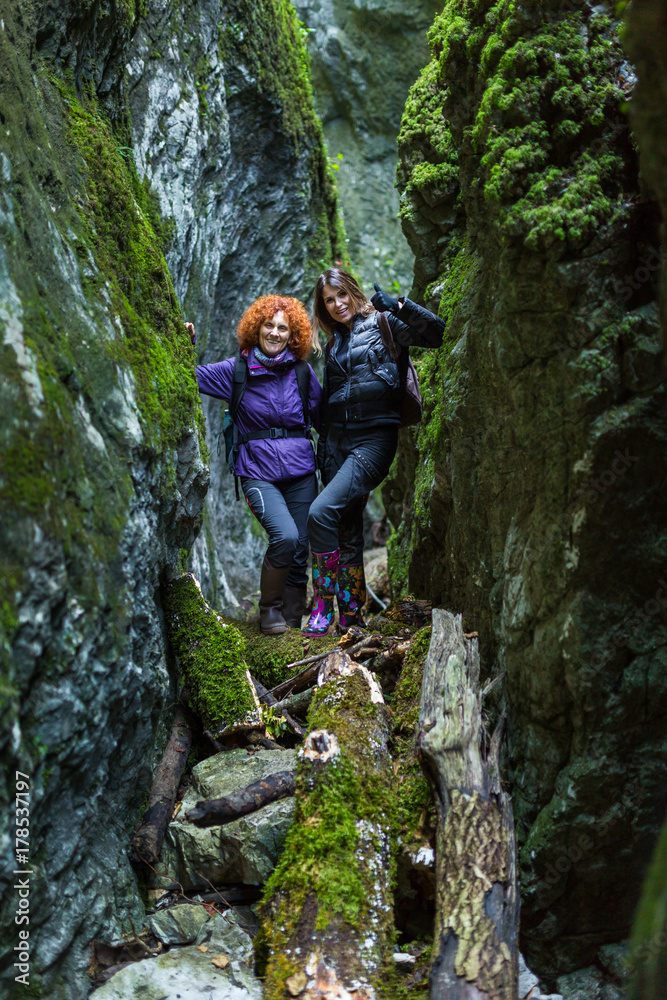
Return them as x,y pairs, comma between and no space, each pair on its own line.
364,389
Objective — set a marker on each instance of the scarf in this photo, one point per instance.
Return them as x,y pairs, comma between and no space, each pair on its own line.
276,362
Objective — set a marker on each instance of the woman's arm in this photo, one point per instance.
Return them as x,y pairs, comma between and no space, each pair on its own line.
410,323
216,379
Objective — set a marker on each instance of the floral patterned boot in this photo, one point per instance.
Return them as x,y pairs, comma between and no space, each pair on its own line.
325,566
351,595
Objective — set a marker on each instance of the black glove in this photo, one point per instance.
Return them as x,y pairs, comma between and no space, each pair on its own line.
384,302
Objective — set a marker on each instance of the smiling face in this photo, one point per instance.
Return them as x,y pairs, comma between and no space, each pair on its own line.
274,335
338,304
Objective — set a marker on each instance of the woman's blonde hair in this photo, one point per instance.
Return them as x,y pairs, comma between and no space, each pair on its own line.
342,281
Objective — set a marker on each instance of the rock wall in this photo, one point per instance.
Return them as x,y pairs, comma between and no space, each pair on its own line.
530,498
224,130
102,463
365,56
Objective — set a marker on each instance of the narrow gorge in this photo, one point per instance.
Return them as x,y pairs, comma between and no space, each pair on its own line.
164,161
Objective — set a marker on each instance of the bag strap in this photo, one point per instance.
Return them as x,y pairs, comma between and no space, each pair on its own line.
238,389
387,335
302,371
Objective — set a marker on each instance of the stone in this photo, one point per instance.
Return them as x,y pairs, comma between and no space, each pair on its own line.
182,972
246,850
527,496
181,924
527,980
103,475
588,984
614,959
364,59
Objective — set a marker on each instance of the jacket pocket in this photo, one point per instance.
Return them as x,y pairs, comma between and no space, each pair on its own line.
383,368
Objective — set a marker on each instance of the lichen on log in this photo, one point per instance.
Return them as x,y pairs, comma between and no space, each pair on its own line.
475,941
326,918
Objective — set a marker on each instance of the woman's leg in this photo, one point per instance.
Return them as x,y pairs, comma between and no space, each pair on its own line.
267,503
356,463
299,495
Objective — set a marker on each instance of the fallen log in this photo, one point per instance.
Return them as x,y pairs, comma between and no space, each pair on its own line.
217,812
477,904
210,654
147,840
326,919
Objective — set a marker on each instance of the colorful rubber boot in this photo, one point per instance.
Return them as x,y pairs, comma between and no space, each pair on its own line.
325,566
351,595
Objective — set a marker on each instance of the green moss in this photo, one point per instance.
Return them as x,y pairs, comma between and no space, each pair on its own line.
267,656
211,654
133,270
321,856
547,101
411,789
648,953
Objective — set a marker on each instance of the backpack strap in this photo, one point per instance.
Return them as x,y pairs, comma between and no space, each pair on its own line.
387,335
302,371
238,388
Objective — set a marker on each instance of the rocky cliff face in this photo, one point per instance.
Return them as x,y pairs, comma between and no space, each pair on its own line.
102,463
530,497
365,56
224,130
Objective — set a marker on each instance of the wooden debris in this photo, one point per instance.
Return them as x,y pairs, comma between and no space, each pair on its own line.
147,840
217,812
297,702
409,612
477,908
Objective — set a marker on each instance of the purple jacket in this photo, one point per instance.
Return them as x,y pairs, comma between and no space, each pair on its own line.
271,399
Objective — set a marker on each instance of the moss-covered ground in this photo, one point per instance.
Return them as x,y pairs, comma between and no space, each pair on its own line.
268,656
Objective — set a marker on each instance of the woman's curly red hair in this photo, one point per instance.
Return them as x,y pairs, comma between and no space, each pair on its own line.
300,328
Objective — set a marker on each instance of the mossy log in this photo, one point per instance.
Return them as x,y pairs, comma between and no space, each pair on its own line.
211,657
147,840
327,912
477,906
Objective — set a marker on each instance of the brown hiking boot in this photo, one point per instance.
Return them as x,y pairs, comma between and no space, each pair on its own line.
272,587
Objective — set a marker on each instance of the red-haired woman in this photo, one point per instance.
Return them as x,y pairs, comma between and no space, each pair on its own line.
359,430
276,463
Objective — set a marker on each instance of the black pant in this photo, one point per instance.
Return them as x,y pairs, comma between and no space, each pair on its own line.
282,510
355,461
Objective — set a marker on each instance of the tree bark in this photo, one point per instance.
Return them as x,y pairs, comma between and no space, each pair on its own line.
327,914
217,812
477,906
147,840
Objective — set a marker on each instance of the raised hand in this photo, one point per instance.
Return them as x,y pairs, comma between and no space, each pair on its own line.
384,302
190,330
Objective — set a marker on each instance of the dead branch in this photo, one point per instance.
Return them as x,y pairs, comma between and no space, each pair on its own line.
147,840
217,812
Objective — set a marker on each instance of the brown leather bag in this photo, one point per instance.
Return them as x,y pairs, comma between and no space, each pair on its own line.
411,407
